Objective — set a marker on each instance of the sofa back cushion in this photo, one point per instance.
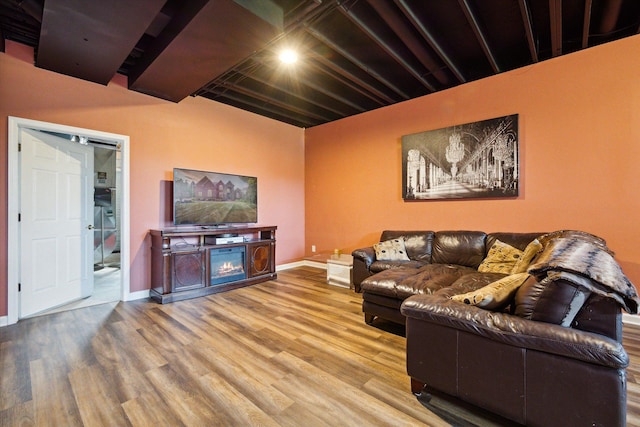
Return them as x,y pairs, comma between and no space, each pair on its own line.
517,240
552,300
417,243
459,247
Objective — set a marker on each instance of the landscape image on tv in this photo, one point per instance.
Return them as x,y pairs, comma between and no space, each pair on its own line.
212,198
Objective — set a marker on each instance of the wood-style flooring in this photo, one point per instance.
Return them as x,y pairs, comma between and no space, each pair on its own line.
289,352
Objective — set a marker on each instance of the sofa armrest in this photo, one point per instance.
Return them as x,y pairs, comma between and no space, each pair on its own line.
362,259
516,331
366,255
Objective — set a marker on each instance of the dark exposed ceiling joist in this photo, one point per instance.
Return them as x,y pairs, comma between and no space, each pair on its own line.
555,19
610,15
391,17
350,80
262,108
373,34
270,100
477,30
528,29
321,37
299,95
320,89
91,39
219,35
426,34
586,23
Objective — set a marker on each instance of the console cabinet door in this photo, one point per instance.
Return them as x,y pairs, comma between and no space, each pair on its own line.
188,270
260,259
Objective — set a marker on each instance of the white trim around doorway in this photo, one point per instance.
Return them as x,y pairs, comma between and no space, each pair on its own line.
13,205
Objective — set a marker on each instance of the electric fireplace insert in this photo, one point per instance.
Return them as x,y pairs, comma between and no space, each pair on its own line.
227,265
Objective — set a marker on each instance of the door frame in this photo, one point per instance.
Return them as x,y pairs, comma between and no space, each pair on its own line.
15,125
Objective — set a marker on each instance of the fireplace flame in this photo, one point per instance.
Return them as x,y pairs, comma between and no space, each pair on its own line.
229,268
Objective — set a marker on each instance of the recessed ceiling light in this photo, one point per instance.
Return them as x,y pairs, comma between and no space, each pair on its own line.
288,56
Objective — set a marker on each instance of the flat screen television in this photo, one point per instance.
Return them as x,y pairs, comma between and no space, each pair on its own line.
213,198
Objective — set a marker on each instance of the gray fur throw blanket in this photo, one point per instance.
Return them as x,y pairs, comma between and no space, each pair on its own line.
584,258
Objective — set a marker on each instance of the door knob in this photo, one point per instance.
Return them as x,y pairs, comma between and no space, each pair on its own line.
90,227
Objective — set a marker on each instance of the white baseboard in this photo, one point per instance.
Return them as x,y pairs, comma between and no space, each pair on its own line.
4,321
630,319
304,263
132,296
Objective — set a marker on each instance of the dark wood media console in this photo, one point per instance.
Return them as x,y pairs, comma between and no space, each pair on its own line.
185,261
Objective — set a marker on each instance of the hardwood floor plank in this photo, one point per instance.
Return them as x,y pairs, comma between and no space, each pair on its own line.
290,352
14,380
184,398
20,415
53,399
149,409
238,408
96,398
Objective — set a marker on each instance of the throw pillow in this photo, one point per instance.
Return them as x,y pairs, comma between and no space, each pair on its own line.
391,250
500,259
530,252
495,295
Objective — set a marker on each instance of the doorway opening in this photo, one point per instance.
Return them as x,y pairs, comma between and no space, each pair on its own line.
110,222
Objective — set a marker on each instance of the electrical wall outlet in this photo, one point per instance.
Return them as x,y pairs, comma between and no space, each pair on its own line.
313,248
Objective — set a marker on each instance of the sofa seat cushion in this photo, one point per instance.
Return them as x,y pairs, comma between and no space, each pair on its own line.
378,266
431,278
386,282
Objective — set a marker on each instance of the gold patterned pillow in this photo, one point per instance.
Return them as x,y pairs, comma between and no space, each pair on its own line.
391,250
500,259
530,252
495,295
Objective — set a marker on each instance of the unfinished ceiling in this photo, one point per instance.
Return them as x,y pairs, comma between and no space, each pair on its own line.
355,55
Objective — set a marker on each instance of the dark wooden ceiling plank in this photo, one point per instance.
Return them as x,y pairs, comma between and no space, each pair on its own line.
555,20
426,34
219,36
474,22
91,39
528,29
379,40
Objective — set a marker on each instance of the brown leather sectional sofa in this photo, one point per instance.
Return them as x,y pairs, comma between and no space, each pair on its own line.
552,355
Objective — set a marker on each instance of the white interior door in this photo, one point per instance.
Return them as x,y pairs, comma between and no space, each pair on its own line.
56,211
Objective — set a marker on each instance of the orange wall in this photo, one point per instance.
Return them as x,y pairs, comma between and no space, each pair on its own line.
579,122
195,133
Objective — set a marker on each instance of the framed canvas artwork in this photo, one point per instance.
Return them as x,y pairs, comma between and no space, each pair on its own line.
473,160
